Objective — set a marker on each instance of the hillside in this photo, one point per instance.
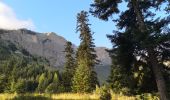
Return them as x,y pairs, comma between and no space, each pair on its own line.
51,46
19,70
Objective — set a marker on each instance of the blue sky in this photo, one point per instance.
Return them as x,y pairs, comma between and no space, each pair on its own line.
59,16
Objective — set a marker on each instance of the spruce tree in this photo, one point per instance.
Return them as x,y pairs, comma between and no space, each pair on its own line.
56,78
143,39
85,78
41,83
69,67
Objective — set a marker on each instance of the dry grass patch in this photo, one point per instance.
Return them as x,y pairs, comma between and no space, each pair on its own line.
121,97
7,96
75,96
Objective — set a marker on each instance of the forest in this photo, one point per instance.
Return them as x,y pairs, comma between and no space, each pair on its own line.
140,55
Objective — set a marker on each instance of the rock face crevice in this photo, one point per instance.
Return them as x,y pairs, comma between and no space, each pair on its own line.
50,46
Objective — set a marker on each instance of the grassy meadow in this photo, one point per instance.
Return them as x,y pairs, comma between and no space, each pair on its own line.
71,96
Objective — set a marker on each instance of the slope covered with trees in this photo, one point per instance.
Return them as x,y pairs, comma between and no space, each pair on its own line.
21,72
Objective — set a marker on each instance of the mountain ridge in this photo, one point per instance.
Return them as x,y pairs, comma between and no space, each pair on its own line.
47,44
51,46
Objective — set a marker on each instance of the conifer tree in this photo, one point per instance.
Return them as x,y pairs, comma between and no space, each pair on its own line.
142,35
41,83
56,78
53,87
69,68
85,78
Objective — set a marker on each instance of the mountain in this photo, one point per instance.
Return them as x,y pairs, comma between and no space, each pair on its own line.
51,46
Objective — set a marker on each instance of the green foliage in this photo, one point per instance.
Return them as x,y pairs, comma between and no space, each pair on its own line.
69,68
104,92
70,61
81,79
119,80
20,86
21,72
52,88
2,83
85,78
42,83
56,78
55,86
141,41
147,96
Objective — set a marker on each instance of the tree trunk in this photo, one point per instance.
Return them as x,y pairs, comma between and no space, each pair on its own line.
139,16
160,81
153,60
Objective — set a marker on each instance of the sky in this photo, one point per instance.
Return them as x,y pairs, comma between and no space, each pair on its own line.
57,16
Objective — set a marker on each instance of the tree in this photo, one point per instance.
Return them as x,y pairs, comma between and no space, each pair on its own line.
54,86
56,78
85,78
119,80
20,86
69,68
41,83
2,83
143,37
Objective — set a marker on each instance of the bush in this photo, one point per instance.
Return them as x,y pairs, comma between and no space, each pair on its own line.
104,93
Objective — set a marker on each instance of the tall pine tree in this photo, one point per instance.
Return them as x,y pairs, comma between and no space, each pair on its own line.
69,67
85,78
143,37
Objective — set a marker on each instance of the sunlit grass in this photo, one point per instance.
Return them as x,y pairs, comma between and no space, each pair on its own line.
122,97
64,96
75,96
15,96
6,96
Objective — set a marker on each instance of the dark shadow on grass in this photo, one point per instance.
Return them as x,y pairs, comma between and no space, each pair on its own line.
29,97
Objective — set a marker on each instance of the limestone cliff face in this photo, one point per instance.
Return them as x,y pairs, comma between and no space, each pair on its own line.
48,45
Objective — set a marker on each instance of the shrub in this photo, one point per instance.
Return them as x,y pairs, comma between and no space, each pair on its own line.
103,92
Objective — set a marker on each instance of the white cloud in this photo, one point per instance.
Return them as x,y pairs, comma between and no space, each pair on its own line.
8,19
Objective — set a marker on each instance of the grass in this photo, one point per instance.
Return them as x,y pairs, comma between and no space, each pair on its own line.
24,96
64,96
122,97
7,96
74,96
